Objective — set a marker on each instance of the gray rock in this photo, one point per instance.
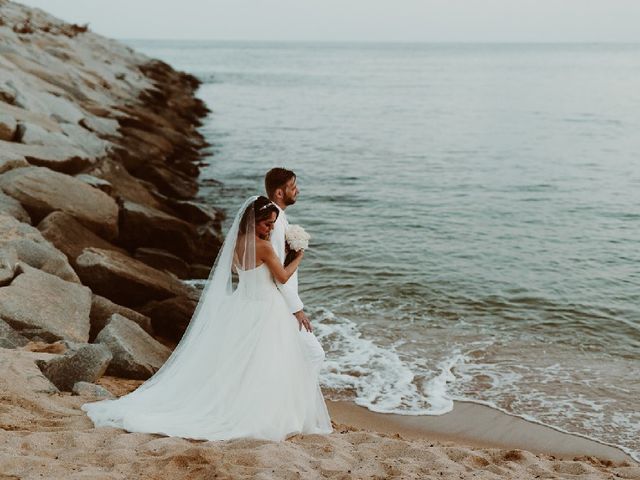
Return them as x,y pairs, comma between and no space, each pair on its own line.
41,191
136,354
9,338
10,161
88,389
61,157
33,249
163,260
8,265
125,280
10,206
37,303
85,364
70,236
102,309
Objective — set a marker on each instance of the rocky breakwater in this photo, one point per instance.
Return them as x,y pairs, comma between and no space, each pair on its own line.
99,159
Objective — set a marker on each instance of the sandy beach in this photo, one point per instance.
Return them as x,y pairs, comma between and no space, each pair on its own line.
46,435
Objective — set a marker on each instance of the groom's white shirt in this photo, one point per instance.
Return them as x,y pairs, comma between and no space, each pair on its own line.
313,351
289,290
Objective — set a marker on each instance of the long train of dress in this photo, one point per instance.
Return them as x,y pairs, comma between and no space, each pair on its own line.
250,378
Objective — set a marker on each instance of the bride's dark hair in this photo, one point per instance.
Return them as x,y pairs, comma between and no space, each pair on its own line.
262,209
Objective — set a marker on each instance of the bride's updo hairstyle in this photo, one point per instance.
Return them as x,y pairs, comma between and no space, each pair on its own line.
262,209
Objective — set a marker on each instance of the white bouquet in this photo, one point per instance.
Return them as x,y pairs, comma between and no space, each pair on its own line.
296,238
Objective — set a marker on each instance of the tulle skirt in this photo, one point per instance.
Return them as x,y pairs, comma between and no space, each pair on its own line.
249,379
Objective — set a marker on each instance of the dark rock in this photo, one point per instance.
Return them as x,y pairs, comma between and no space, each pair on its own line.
84,364
142,226
125,280
39,304
170,317
163,260
102,309
136,354
42,191
169,181
199,271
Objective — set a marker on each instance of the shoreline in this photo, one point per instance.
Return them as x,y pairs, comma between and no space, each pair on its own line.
478,426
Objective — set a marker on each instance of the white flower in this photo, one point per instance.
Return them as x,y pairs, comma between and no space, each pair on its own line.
297,238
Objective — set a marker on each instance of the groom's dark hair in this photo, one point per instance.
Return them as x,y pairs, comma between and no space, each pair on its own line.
275,179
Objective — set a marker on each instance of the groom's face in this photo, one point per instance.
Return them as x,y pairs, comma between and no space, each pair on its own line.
290,192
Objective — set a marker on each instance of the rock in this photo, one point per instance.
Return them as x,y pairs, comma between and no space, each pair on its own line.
41,191
136,354
8,126
9,161
33,249
170,317
39,304
96,182
124,185
8,265
125,280
199,271
85,140
10,206
87,389
197,213
70,236
169,181
142,226
163,260
9,338
102,309
58,156
84,364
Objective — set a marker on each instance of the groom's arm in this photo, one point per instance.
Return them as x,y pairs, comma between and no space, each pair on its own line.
289,290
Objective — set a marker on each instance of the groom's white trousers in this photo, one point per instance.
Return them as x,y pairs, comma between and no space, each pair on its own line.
313,350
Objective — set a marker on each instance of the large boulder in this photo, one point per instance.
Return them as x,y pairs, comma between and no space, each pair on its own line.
170,317
168,180
102,309
70,236
9,338
61,157
33,249
123,184
163,260
84,364
136,354
143,226
125,280
40,305
42,191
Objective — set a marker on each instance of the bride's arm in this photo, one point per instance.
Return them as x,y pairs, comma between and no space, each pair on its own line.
268,255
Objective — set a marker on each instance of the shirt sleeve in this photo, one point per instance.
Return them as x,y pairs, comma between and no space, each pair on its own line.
289,290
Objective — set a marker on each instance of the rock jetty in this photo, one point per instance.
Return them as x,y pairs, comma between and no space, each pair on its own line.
99,160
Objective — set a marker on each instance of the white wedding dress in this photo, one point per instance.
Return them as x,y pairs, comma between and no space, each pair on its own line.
240,370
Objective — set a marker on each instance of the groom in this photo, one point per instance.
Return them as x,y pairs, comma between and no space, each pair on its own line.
282,190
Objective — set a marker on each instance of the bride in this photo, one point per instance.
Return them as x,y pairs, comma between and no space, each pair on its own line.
240,369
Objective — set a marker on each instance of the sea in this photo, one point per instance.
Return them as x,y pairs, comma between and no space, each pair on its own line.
474,212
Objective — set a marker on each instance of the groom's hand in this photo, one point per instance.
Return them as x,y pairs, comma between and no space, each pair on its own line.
303,321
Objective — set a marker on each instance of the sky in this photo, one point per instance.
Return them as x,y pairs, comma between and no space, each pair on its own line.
357,20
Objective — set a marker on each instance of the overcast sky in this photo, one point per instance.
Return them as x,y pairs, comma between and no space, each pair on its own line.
358,20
